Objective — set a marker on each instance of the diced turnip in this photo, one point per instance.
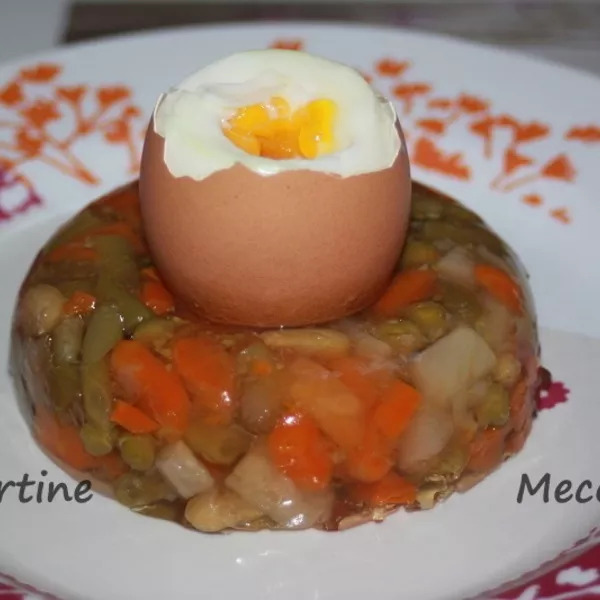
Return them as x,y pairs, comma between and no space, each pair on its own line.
257,480
180,467
457,266
452,364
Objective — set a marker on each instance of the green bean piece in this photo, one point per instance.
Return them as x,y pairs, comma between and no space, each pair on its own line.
417,253
426,208
137,451
104,330
66,340
118,281
97,441
460,214
221,445
155,333
70,286
132,311
80,224
136,489
65,386
117,260
257,350
97,392
168,511
461,302
494,409
402,335
431,319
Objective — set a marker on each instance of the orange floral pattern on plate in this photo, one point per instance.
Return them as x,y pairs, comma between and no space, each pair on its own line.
33,103
427,118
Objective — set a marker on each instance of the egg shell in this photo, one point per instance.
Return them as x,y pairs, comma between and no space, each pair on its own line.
295,248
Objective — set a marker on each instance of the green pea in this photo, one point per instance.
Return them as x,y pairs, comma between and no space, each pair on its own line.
425,207
402,335
430,317
417,253
136,489
494,408
138,451
461,302
451,463
156,333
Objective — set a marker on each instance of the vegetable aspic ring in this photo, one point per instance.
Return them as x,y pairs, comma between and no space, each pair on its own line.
214,427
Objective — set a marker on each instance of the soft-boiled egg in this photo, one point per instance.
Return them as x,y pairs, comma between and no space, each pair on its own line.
275,189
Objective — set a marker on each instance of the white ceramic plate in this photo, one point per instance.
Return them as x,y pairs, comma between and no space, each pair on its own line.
515,139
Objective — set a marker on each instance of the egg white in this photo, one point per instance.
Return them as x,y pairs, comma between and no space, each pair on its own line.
189,116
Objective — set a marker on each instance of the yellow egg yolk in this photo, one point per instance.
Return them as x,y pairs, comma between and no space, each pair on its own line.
273,130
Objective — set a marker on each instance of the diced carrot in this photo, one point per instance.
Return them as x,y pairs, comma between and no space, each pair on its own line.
72,252
208,373
110,467
351,371
150,273
500,285
395,409
132,419
487,450
126,202
371,460
391,489
146,381
338,412
80,303
516,440
300,451
520,409
118,228
407,287
261,367
157,297
61,440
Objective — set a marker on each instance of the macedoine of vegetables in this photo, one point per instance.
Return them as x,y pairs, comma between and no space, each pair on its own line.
215,427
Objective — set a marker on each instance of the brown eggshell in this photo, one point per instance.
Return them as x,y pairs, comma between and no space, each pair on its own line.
295,248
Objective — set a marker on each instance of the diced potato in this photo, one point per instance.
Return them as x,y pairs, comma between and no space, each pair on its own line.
41,309
178,465
257,480
323,343
452,364
216,510
426,436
